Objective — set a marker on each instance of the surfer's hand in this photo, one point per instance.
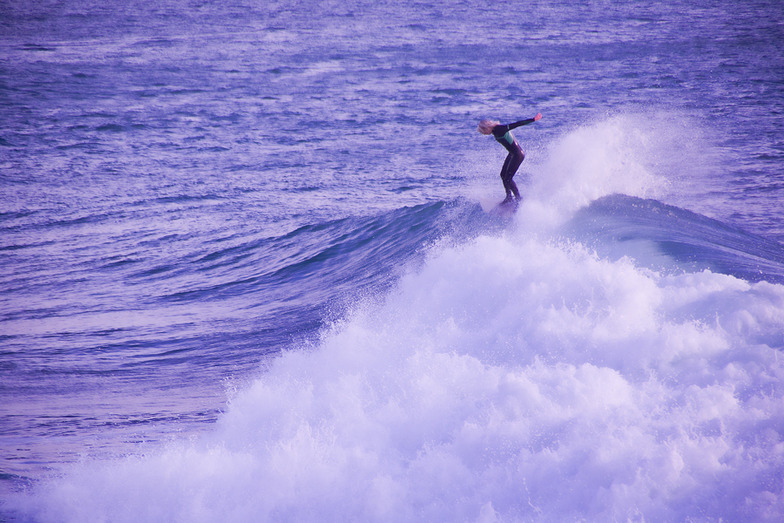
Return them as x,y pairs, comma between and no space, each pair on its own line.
538,116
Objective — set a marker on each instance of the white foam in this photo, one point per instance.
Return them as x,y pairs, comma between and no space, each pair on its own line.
510,378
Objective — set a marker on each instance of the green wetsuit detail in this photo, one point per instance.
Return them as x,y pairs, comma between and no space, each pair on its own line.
503,135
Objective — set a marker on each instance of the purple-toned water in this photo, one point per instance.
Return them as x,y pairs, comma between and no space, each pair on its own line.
249,268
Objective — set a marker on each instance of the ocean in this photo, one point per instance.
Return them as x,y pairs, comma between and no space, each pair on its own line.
250,268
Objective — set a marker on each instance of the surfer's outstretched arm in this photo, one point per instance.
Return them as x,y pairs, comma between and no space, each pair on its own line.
515,125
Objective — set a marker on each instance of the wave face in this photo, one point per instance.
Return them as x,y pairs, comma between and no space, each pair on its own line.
140,339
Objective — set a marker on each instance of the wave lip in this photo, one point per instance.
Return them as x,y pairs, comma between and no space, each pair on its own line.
667,237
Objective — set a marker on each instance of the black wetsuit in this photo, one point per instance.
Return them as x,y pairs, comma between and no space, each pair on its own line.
513,159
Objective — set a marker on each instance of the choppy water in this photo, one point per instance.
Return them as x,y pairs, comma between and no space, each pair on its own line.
248,271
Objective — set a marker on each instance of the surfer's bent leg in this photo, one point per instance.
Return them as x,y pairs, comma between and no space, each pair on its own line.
511,164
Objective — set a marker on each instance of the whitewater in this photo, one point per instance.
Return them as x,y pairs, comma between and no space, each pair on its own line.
270,285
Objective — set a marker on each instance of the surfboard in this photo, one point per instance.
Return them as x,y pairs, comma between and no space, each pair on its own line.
505,209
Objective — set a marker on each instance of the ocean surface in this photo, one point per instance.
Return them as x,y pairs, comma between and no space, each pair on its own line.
250,267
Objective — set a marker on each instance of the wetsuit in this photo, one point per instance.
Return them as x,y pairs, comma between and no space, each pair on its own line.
515,157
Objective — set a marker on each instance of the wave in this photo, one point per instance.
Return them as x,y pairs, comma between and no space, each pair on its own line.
506,376
666,237
315,264
600,355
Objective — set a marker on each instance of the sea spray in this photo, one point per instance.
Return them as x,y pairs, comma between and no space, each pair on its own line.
637,153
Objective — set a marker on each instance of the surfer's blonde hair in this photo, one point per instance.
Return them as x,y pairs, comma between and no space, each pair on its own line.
486,126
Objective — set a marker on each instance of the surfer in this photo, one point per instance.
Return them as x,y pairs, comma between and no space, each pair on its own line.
503,135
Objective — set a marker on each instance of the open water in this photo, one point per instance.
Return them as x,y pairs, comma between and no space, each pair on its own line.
248,272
